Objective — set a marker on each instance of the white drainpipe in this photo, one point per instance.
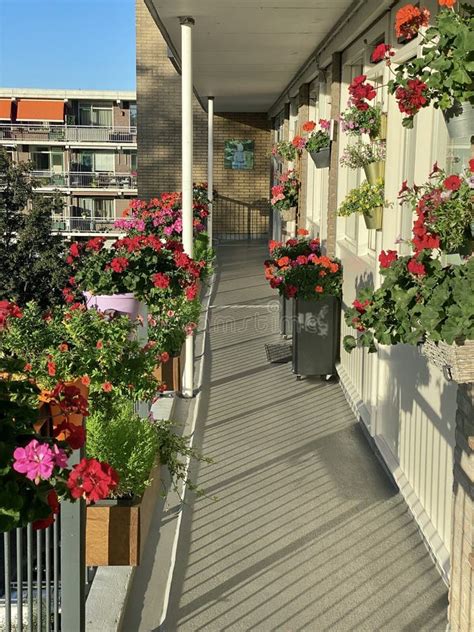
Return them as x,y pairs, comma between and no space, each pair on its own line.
187,174
210,162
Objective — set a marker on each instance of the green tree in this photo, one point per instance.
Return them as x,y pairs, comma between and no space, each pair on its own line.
32,260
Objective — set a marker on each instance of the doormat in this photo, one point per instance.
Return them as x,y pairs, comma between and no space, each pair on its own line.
278,353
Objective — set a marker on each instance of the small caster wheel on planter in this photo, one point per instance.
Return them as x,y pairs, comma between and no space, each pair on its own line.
299,378
328,377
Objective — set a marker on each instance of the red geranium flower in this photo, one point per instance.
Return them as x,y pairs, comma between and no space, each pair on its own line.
382,51
416,268
160,280
74,436
409,20
387,258
107,387
453,183
413,97
92,480
319,289
309,126
119,264
303,231
361,307
191,292
471,165
51,368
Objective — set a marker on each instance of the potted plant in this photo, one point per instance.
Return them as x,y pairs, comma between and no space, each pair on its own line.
361,117
369,156
318,143
285,149
116,528
367,199
444,209
291,249
285,195
442,75
315,283
35,473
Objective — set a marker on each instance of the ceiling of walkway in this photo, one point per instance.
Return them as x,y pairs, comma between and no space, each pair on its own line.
245,52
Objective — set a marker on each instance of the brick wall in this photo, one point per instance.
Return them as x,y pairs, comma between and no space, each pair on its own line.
159,128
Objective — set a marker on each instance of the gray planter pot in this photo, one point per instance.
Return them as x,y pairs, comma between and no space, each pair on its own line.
460,120
321,158
316,326
286,316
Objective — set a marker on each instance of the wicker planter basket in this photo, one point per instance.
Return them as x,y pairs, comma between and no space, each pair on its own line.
456,360
288,214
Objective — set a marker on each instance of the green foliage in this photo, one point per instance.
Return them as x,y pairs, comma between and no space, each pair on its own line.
202,251
446,64
409,309
318,140
125,441
32,265
169,320
363,199
362,154
286,150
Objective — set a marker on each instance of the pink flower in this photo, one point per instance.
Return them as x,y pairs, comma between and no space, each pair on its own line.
36,460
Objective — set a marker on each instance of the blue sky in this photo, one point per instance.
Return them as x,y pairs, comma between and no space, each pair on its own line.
71,44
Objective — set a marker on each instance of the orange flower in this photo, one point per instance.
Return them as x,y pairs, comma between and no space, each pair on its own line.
447,3
27,367
334,267
318,289
85,380
107,387
322,273
99,344
309,126
63,347
303,232
409,20
283,261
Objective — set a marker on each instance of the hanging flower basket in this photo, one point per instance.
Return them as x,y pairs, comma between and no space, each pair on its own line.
321,158
375,171
373,218
122,303
288,214
456,360
460,120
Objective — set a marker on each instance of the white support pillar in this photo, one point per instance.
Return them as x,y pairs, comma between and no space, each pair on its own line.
187,174
210,163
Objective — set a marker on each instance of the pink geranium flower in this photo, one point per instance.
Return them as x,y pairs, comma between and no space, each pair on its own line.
36,460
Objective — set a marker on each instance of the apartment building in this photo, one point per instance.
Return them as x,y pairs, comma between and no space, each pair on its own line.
82,144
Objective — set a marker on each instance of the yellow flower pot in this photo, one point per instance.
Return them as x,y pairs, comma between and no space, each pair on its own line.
373,218
374,171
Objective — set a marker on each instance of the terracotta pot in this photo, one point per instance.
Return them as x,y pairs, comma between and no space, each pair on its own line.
170,372
116,531
373,220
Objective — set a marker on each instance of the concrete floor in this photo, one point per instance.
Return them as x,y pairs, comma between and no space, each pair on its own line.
307,533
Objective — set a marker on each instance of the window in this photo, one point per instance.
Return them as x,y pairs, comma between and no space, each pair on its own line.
47,159
133,114
95,115
96,161
91,214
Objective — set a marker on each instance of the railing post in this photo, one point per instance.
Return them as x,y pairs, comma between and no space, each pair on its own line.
210,164
73,561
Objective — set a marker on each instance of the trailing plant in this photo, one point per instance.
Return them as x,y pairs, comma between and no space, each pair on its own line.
418,300
128,442
363,199
318,139
355,122
442,74
297,269
285,149
361,154
444,207
285,194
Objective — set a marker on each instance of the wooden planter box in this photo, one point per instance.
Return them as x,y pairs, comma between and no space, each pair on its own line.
170,372
116,533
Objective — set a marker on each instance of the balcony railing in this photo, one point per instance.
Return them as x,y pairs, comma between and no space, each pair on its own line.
86,180
17,132
92,224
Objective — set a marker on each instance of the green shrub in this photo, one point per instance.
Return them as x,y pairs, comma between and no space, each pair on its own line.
126,441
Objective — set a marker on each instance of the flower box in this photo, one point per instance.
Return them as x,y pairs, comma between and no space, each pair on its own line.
116,530
316,336
122,303
456,360
321,158
170,373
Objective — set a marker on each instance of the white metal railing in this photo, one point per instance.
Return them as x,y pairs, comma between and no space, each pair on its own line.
34,132
86,180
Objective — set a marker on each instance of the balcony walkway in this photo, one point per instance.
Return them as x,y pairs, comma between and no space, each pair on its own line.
307,534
